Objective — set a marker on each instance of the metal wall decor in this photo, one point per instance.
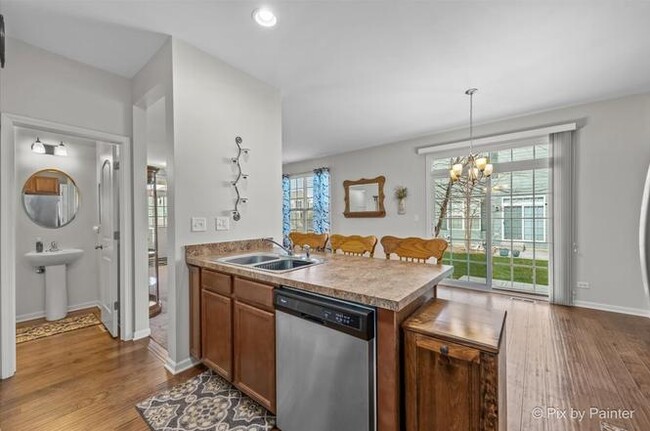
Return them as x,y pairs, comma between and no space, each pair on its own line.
236,215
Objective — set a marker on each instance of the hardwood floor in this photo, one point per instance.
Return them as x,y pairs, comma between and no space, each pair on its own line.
557,357
82,380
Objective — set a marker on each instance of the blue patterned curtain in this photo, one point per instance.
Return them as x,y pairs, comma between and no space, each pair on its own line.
286,209
321,200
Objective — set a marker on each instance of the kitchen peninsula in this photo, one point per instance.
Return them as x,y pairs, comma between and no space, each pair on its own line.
238,301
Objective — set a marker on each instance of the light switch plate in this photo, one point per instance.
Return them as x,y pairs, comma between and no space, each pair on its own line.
222,223
199,224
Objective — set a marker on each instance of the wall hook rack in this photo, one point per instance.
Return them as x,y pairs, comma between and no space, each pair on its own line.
236,215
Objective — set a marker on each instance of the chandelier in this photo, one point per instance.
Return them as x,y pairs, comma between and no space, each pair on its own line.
474,168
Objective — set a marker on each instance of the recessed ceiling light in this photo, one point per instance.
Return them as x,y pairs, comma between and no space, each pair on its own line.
265,17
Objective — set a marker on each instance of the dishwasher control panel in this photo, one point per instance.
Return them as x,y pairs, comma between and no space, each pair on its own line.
347,317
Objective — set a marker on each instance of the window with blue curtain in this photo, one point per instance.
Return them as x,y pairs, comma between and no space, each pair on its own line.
286,209
321,221
306,202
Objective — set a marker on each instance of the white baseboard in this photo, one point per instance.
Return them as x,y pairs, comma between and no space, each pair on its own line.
142,333
613,308
40,314
179,367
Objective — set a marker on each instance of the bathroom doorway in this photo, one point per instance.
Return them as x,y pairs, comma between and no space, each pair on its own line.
33,146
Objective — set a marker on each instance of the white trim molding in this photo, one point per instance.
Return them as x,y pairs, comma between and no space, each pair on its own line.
514,136
613,308
8,199
142,333
179,367
40,314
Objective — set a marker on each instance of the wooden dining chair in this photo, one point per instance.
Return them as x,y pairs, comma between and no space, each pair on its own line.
317,241
414,249
354,245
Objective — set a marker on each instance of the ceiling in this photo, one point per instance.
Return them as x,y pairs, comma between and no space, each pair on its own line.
355,74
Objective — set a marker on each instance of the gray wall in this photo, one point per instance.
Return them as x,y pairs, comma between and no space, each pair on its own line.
613,153
80,165
214,103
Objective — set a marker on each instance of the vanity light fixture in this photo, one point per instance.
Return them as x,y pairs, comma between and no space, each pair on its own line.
265,17
61,150
38,146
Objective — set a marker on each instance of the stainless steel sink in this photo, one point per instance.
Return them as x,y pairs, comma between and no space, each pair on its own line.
270,262
284,264
251,259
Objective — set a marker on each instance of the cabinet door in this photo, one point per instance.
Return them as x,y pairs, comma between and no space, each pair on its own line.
442,385
195,312
40,185
216,332
255,353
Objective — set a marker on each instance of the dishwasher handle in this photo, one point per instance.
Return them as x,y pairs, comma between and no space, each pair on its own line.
312,318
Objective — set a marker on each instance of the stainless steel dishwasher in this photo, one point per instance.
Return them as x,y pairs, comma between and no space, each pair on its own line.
325,359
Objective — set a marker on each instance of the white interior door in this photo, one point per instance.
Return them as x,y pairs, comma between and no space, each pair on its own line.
108,244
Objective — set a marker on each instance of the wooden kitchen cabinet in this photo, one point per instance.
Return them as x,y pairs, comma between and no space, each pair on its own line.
455,375
216,332
232,330
254,353
41,185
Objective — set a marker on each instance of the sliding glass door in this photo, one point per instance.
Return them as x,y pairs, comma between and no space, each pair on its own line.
499,231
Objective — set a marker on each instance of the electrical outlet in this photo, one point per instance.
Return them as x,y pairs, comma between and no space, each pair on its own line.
199,224
583,285
222,223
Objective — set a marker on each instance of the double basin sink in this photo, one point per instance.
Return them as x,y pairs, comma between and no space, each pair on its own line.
270,262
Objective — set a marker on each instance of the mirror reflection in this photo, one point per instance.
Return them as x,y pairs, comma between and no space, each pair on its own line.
364,197
51,198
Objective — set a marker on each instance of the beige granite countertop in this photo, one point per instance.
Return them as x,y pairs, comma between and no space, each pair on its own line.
380,283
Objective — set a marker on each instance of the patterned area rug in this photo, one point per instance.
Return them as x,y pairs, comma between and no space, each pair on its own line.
207,403
46,329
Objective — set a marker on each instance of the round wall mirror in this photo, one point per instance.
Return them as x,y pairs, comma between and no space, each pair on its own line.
51,198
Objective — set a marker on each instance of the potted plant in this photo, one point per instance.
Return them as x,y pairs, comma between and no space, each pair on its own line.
401,192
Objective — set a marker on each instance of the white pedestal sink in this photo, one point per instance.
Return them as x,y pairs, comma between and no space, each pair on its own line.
56,286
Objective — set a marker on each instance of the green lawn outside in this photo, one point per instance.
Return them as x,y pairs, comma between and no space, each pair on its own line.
522,268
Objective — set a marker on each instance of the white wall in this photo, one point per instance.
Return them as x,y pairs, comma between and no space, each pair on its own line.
214,103
80,165
42,85
613,153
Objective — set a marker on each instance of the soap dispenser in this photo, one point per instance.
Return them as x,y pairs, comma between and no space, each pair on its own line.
39,245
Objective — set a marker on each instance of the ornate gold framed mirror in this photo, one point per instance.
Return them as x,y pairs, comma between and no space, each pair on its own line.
364,197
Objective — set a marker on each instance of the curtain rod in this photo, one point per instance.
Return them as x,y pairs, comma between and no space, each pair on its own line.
524,134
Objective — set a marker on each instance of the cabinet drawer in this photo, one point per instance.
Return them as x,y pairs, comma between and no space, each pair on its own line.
258,294
216,282
451,350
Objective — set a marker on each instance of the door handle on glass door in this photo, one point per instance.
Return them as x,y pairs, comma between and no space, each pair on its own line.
99,247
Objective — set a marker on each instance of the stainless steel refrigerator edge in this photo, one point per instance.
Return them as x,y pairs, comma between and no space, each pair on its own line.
644,234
